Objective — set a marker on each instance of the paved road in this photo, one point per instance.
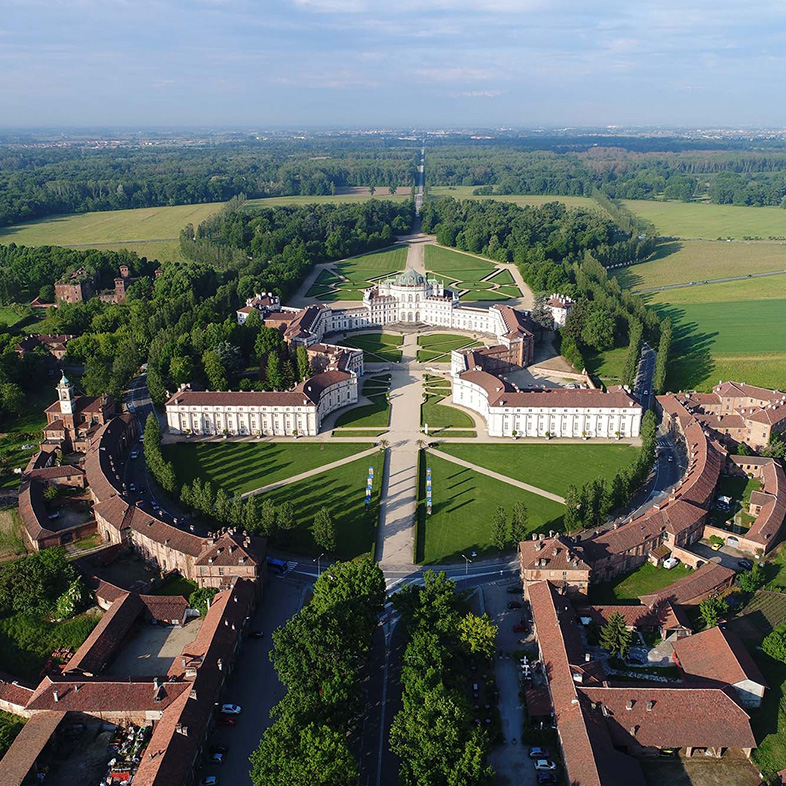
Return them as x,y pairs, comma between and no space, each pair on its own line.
709,281
420,181
642,387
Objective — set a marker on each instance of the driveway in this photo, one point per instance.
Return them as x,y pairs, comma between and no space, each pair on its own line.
254,684
508,759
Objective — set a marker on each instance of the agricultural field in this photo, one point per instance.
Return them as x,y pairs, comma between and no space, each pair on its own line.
346,280
551,467
342,492
711,222
377,347
685,261
463,504
238,467
642,581
470,275
438,346
533,200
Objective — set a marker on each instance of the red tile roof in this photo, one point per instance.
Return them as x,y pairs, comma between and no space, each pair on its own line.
564,398
558,554
165,608
717,654
702,581
232,549
634,616
767,526
27,747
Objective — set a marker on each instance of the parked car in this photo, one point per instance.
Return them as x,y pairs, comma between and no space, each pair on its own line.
546,777
745,564
142,437
257,634
667,753
216,758
545,765
514,604
226,720
231,709
515,589
716,546
670,563
134,454
209,780
539,753
132,486
671,459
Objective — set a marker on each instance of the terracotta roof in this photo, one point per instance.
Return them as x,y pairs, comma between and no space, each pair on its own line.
108,593
28,745
558,554
564,398
159,531
538,701
232,549
676,718
717,654
32,510
104,640
767,526
634,616
63,471
102,460
165,608
13,691
99,695
488,382
705,579
741,390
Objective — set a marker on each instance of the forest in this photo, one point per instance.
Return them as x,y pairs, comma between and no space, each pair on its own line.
39,182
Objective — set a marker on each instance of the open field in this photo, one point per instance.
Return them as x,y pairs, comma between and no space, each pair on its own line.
643,580
710,222
463,504
342,491
680,262
550,467
238,467
377,347
535,200
176,585
748,289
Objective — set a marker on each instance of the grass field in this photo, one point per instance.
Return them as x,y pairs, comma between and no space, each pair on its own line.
374,415
342,491
10,726
329,199
438,415
465,272
346,280
463,504
549,467
242,466
535,200
685,261
710,222
377,347
607,365
438,346
176,585
642,581
11,543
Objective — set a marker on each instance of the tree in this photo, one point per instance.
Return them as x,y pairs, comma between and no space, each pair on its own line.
181,369
214,371
615,637
223,506
744,450
499,529
274,376
324,530
286,517
751,580
268,518
478,635
304,370
774,644
775,448
598,330
712,610
542,314
573,512
200,599
518,523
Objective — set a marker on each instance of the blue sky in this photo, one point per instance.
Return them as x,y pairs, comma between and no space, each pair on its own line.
392,62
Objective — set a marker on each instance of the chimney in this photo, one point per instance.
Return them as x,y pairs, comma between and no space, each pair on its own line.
156,684
633,730
629,704
587,657
650,705
182,729
55,696
220,664
193,694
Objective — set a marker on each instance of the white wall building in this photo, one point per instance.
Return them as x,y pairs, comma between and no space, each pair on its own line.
536,412
560,306
267,413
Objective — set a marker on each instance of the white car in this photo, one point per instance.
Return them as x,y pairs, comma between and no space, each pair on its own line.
134,454
231,709
670,563
545,765
209,780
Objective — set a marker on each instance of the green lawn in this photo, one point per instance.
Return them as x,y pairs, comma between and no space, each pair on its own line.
503,276
438,415
358,432
27,642
708,221
642,581
176,585
438,346
482,295
551,467
608,365
10,726
238,467
534,200
376,414
377,347
342,491
456,265
685,261
463,504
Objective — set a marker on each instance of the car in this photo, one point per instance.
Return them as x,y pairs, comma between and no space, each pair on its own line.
547,777
514,604
536,752
216,758
209,780
142,437
667,753
227,720
134,454
545,765
219,749
519,628
671,459
515,589
257,634
745,564
524,662
131,408
231,709
716,546
132,486
671,562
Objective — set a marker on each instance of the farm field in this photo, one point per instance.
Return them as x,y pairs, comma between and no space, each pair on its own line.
551,467
643,580
238,467
710,222
534,200
346,279
463,504
377,347
342,492
686,261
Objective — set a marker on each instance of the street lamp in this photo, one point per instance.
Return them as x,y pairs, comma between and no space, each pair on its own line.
467,560
319,564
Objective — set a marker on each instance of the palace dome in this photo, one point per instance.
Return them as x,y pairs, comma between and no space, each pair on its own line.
409,278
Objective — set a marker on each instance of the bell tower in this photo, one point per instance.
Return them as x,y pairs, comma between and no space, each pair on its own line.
65,394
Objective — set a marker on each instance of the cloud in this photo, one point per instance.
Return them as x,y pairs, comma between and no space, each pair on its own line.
479,94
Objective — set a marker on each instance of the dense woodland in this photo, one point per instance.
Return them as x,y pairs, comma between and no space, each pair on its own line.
39,182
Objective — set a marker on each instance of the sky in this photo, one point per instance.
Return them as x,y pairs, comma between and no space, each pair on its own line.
392,63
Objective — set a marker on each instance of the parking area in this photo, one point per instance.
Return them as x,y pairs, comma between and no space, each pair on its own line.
254,684
153,648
